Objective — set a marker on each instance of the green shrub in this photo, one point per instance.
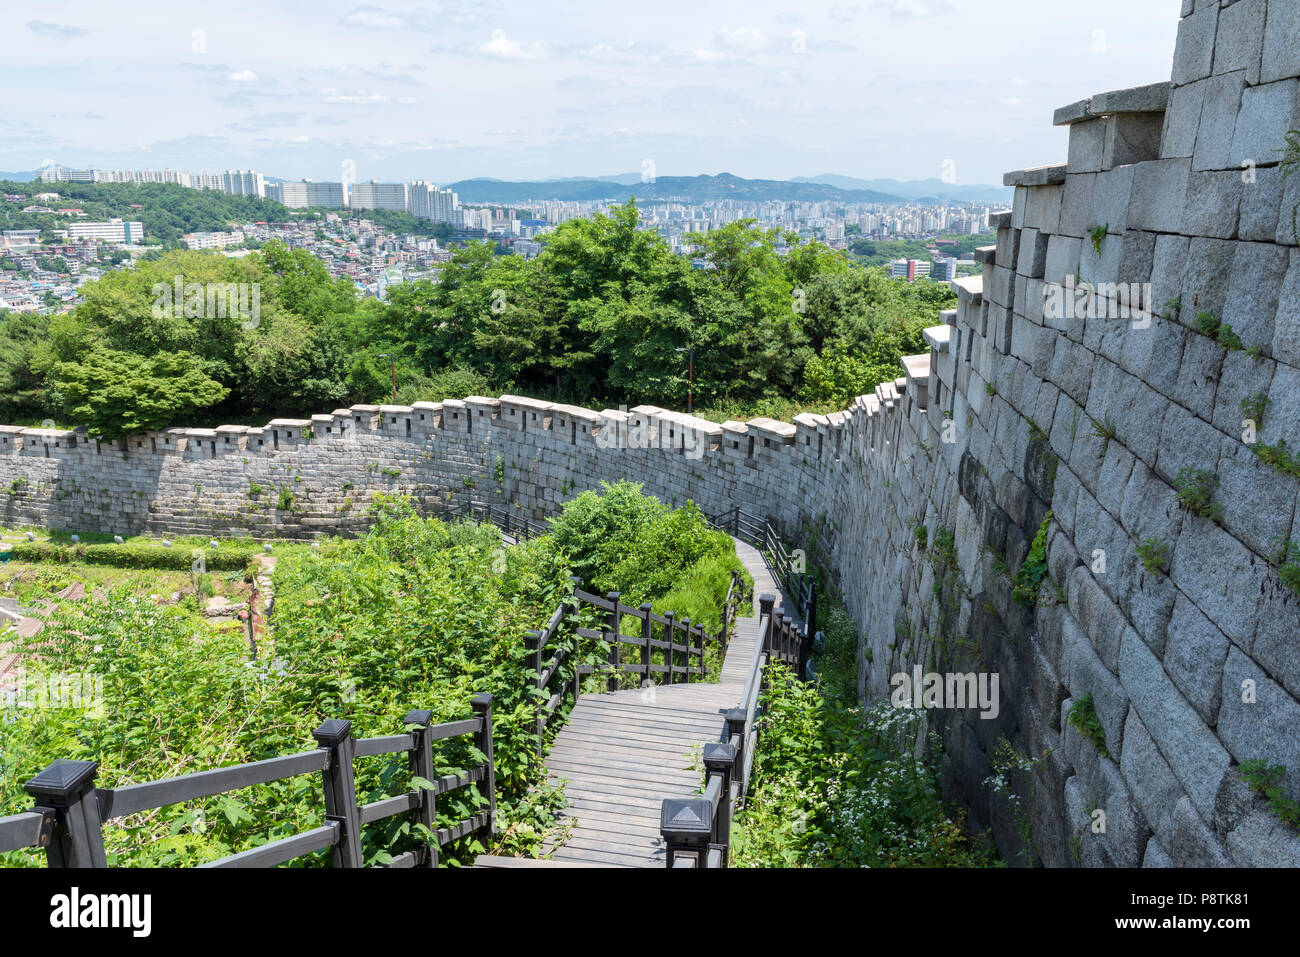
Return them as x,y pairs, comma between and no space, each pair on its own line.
841,787
1083,718
700,593
1029,576
1154,555
1194,491
1267,779
140,555
1254,406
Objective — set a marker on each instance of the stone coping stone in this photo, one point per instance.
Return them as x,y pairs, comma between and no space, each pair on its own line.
365,408
396,409
539,405
782,430
731,425
576,412
939,338
1053,175
918,368
810,419
1151,98
968,285
1000,219
985,254
287,424
243,429
427,406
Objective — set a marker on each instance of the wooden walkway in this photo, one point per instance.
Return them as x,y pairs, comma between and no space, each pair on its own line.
622,753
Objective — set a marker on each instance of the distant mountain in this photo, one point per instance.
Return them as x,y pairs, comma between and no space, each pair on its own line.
26,177
694,189
916,189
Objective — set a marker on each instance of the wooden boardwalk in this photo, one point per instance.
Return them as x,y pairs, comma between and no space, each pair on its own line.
622,753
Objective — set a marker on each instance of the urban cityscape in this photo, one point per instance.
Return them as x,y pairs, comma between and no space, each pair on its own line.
43,271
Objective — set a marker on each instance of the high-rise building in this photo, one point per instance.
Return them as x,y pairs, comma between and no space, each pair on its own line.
429,202
945,269
57,174
909,269
243,182
373,195
309,194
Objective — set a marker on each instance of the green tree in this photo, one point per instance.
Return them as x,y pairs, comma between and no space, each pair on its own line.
116,394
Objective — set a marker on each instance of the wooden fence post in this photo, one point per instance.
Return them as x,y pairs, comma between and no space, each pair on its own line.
766,603
615,655
686,656
699,648
482,706
670,632
422,766
720,759
685,825
647,635
533,643
68,787
341,790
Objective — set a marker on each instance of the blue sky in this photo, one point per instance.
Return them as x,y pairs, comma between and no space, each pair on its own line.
450,90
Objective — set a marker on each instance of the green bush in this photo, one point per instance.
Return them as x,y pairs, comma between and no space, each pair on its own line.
1194,491
840,787
1029,576
700,594
140,555
1083,718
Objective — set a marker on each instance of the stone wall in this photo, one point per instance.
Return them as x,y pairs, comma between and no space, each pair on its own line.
1021,408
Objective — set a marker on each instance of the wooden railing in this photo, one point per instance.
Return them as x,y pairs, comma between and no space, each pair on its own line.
697,831
790,571
70,811
681,648
516,526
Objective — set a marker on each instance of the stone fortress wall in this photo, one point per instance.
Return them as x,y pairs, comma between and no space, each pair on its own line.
1019,409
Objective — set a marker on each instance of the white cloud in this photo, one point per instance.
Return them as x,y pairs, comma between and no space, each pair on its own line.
242,76
503,47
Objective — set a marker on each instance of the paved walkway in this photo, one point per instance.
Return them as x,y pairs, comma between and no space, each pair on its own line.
621,754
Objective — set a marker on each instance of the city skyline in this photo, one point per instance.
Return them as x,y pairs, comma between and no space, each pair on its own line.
471,89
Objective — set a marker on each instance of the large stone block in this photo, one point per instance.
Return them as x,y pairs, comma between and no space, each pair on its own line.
1261,499
1194,658
1275,646
1076,205
1207,275
1158,194
1191,841
1252,304
1267,113
1239,42
1281,57
1263,727
1286,329
1225,588
1087,141
1062,259
1182,119
1263,840
1132,138
1194,49
1218,121
1153,784
1261,201
1194,754
1213,204
1168,268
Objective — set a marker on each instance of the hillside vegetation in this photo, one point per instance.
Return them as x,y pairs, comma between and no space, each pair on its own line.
604,316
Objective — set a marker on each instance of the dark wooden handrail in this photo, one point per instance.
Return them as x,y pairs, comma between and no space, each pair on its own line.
68,818
697,833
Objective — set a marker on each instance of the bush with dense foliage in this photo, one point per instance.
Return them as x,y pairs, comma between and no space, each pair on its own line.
621,540
841,787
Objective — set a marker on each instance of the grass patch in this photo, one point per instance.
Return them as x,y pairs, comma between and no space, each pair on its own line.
1194,489
1029,576
1154,555
1083,718
1266,779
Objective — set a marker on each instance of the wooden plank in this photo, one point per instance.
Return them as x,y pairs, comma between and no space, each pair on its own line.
582,854
488,860
593,764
